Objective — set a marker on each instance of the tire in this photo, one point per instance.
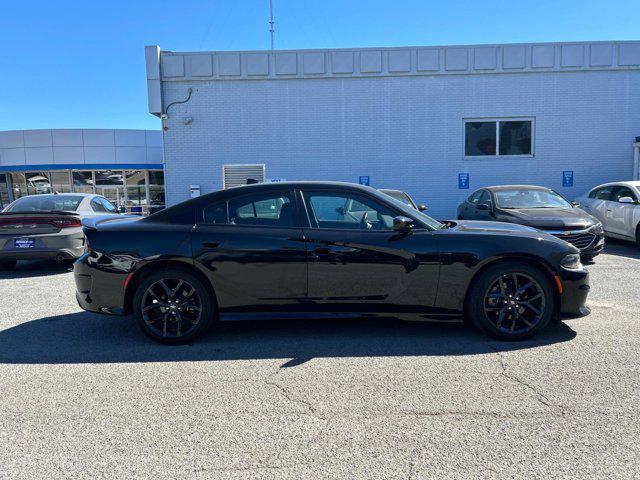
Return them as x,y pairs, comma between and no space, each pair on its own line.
8,264
638,235
514,317
173,306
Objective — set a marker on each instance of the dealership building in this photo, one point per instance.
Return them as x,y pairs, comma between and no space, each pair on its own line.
437,122
125,166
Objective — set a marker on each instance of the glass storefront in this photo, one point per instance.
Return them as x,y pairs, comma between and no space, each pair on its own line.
4,191
133,191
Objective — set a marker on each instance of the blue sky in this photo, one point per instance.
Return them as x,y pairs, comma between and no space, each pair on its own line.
71,64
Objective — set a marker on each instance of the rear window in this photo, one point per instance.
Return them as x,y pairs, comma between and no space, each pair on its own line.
45,203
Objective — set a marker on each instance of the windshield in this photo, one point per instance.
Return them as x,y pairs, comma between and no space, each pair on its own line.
522,198
426,219
400,196
45,203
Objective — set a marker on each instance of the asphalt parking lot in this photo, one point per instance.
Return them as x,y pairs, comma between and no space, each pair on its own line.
88,396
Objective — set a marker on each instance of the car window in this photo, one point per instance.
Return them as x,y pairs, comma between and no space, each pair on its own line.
216,213
400,196
602,193
485,198
348,211
475,196
530,198
43,203
107,205
269,209
622,191
97,206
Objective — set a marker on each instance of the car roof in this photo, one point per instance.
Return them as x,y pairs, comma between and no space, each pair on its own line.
67,194
384,190
496,188
256,187
628,183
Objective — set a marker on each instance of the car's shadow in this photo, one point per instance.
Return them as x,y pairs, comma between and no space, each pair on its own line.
90,338
621,248
36,268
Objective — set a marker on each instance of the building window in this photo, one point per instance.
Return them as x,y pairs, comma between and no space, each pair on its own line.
4,191
83,182
156,190
60,181
498,137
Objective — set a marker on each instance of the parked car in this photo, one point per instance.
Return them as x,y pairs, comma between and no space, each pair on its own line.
47,226
537,207
403,197
317,248
617,206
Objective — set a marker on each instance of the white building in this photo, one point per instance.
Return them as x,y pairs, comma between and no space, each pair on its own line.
435,121
123,165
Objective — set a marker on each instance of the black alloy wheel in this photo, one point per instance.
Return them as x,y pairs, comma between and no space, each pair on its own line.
511,301
514,303
173,306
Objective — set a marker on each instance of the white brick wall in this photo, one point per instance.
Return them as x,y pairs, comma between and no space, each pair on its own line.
403,131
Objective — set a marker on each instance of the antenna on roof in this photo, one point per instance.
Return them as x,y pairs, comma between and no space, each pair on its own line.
272,30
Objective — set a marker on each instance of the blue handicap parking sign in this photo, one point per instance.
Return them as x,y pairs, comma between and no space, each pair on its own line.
463,181
567,178
364,180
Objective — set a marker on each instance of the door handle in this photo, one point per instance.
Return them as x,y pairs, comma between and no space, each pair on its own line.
322,251
210,244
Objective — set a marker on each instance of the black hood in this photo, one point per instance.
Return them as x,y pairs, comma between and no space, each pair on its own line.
548,218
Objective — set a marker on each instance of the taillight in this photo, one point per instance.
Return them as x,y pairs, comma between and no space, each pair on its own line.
67,222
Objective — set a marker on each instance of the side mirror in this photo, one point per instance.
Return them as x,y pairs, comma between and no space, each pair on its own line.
575,204
483,206
626,200
422,208
402,224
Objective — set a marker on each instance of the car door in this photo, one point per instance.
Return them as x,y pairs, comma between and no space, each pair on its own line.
598,204
356,260
252,248
621,215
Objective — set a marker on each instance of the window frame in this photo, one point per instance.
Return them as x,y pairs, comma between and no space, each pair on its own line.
497,121
289,192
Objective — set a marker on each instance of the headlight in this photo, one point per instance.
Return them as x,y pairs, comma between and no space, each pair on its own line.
597,229
571,262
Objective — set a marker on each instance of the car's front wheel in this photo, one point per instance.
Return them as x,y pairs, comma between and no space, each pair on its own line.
173,306
8,265
511,301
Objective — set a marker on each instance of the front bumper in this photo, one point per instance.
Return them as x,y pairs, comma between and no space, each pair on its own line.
575,289
98,290
589,243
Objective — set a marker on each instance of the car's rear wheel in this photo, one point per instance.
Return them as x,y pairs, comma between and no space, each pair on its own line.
8,265
511,301
638,235
173,306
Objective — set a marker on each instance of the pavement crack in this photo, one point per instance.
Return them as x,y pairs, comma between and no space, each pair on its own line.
541,397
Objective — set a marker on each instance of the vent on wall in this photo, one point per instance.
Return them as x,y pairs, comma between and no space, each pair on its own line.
236,175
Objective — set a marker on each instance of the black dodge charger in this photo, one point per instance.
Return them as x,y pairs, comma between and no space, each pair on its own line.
319,248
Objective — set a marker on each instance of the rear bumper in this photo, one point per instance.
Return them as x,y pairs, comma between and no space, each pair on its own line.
64,245
97,290
575,289
33,254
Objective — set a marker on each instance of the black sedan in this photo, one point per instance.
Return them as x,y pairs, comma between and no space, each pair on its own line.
318,248
537,207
